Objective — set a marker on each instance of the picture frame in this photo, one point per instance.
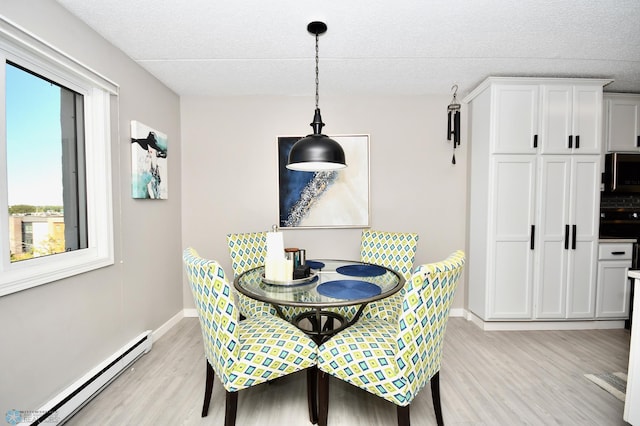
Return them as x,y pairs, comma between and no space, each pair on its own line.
149,172
330,199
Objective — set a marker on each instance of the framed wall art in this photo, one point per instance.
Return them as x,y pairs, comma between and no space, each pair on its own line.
332,199
148,163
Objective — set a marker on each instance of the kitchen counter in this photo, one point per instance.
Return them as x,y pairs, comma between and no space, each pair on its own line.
617,240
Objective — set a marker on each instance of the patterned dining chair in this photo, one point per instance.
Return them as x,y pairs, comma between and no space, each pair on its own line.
396,360
247,251
394,250
244,353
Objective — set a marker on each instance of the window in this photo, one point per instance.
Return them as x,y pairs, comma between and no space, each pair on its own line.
55,164
45,166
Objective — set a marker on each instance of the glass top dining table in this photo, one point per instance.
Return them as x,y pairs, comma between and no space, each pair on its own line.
332,283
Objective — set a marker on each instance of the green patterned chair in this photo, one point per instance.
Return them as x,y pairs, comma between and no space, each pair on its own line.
396,360
247,251
394,250
247,353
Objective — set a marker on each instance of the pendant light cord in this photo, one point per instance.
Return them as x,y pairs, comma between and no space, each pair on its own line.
317,72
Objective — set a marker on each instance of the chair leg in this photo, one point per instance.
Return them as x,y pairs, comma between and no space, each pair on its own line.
435,397
312,393
323,398
231,407
207,389
403,416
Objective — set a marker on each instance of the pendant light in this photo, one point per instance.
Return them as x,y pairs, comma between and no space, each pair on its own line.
316,152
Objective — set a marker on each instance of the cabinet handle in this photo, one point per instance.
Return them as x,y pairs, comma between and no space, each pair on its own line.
577,141
566,237
573,239
535,141
533,235
570,141
618,253
638,141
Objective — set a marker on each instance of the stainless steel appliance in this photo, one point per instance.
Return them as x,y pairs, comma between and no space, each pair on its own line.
620,218
622,173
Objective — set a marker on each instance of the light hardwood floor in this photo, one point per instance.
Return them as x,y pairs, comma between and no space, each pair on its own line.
487,378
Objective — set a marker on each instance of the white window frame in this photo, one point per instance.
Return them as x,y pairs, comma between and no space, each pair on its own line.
27,50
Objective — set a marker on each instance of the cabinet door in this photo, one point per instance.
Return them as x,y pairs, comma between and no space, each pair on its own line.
571,119
612,300
510,273
584,220
556,123
567,249
554,239
587,119
515,119
623,124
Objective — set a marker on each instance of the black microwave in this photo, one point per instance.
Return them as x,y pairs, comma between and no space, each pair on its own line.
622,172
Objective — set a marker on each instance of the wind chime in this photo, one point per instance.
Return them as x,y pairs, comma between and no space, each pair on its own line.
453,122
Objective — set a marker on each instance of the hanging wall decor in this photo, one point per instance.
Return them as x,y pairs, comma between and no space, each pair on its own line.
327,198
148,163
453,122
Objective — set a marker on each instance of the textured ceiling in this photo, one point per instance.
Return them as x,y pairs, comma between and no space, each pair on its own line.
400,47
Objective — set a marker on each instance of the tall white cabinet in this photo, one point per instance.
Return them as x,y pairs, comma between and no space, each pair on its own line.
534,198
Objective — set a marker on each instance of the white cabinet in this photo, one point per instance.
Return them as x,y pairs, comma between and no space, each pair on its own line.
526,203
622,122
511,213
571,118
567,239
515,119
614,261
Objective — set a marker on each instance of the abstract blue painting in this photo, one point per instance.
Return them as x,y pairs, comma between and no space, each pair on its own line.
330,199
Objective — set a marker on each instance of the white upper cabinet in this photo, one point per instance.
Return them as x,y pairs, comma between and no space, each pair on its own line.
516,119
622,122
571,119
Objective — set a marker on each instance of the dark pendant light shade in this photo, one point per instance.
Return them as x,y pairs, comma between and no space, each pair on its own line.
316,152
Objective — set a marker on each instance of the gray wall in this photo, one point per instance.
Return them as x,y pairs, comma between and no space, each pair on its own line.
53,334
230,172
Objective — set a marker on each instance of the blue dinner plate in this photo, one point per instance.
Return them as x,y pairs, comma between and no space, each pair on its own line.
314,264
348,289
361,270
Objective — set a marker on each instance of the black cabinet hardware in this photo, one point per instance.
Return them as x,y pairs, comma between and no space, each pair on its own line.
573,239
535,141
570,141
577,141
618,253
566,237
533,236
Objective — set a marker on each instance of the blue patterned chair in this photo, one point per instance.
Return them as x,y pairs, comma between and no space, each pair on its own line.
396,360
247,251
394,250
247,353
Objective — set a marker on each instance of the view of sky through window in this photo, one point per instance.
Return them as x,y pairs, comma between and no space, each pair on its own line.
34,156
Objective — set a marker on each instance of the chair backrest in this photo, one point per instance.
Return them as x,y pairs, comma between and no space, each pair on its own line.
216,310
394,250
423,320
247,250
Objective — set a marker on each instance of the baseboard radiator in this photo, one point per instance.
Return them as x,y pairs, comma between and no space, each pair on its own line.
72,399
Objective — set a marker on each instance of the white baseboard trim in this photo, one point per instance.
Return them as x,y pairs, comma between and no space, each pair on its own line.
160,331
190,313
458,312
544,325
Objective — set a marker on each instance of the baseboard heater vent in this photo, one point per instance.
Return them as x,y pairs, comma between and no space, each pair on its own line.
72,399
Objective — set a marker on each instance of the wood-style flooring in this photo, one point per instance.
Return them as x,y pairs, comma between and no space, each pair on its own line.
487,378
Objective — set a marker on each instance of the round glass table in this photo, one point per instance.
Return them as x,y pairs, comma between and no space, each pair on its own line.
331,284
